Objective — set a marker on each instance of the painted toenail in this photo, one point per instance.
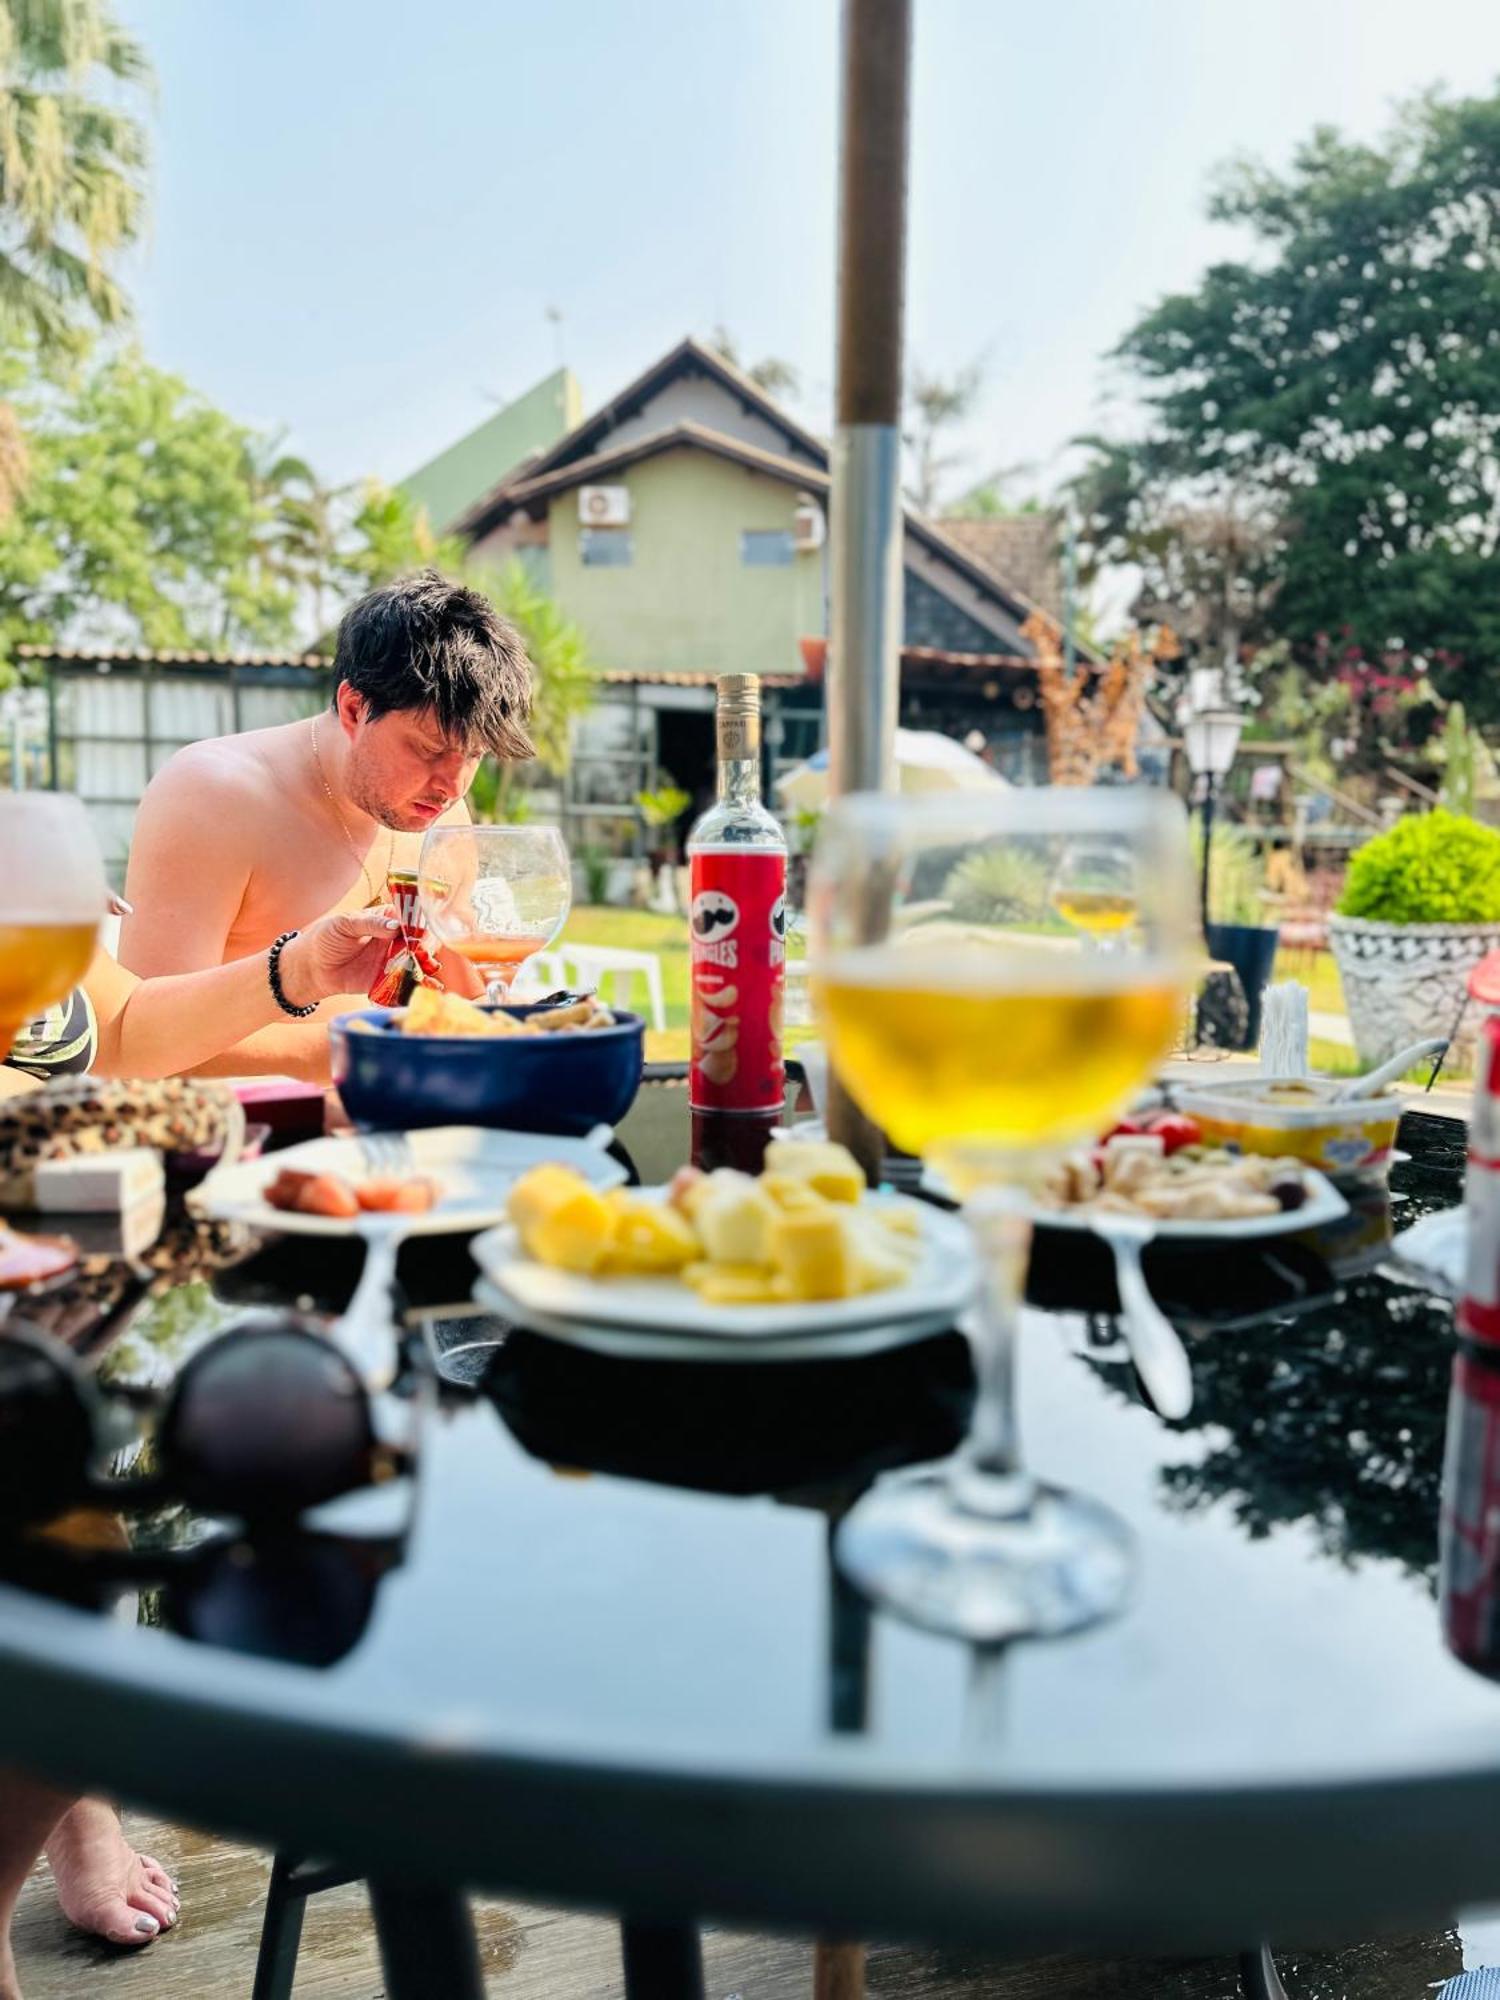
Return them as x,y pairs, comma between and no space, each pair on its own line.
147,1926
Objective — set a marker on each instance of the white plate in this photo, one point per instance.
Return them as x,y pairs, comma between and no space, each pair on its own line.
812,1344
476,1169
940,1286
1324,1204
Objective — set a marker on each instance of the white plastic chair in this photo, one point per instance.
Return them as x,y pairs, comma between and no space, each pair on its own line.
611,969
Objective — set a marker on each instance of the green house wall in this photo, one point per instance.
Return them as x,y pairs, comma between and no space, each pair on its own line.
687,603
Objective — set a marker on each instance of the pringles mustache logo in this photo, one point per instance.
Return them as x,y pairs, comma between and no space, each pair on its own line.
713,914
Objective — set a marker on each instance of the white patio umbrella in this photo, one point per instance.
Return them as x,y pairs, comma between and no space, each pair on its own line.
925,762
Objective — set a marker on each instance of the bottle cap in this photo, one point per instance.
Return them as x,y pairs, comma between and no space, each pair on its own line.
738,717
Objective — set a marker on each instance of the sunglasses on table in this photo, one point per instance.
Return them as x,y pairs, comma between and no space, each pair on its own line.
267,1421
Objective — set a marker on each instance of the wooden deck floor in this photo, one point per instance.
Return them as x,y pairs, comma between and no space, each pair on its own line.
534,1954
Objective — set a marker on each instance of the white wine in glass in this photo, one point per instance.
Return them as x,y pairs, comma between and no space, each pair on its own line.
981,1029
52,901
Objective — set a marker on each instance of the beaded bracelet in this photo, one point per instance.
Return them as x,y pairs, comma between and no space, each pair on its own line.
273,974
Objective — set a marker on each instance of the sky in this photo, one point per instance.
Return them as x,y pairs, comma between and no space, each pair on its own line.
364,211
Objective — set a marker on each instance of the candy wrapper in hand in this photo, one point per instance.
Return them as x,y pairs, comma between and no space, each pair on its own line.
408,964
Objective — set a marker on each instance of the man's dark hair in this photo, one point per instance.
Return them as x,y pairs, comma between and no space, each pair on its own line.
425,643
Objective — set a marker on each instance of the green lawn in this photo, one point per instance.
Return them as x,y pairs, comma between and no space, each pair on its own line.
647,930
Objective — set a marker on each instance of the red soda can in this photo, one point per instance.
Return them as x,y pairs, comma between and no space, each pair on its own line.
408,963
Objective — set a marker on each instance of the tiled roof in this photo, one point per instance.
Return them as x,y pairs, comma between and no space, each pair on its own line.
648,677
815,652
1022,550
129,656
687,357
672,437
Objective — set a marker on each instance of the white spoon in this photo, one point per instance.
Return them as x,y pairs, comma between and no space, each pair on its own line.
1403,1060
1155,1346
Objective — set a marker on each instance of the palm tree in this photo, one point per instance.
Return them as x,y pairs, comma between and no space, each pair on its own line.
300,526
72,168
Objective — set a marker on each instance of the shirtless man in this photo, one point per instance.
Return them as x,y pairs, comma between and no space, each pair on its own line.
240,838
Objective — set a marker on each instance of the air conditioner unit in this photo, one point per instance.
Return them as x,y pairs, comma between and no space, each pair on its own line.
808,527
604,506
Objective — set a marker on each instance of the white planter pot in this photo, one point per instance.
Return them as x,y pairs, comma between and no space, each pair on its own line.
1404,982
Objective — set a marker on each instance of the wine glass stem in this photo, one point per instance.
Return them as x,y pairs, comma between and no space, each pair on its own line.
497,989
989,1477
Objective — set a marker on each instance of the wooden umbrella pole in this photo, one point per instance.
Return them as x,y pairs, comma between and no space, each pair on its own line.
865,515
865,508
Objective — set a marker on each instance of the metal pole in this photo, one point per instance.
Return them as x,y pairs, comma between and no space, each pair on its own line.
1070,590
865,524
1208,841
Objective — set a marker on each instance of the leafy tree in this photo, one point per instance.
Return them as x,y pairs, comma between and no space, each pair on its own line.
302,524
988,500
937,403
1338,397
137,523
72,168
771,373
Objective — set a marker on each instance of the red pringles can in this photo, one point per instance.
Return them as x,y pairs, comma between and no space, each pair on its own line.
408,963
737,925
737,918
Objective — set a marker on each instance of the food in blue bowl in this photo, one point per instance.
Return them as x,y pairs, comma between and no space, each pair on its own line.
584,1071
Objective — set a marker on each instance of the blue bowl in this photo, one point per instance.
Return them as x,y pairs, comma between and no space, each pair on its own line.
565,1082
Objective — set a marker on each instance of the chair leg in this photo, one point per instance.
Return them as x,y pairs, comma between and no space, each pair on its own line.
427,1944
1259,1979
280,1935
662,1961
838,1972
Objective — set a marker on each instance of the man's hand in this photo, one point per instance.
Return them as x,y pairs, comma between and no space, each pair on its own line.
337,954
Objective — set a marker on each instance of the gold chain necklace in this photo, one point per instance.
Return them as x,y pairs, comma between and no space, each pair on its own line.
370,888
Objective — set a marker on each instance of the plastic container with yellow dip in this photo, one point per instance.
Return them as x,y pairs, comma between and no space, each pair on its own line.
1293,1117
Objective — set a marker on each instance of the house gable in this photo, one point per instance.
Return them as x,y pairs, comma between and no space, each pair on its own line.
449,485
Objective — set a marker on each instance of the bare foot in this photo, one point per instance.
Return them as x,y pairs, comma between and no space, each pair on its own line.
103,1885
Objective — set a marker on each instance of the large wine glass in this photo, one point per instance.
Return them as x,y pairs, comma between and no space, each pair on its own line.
495,895
981,1030
52,900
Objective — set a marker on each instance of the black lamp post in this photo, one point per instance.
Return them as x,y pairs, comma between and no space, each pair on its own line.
1211,736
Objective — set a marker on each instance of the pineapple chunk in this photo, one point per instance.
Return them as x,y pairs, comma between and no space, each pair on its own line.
561,1219
791,1194
815,1256
733,1218
733,1284
830,1169
648,1236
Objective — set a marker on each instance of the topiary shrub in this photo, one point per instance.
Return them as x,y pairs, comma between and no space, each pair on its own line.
1432,868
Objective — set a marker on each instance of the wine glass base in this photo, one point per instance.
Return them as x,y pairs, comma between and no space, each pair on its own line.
1065,1563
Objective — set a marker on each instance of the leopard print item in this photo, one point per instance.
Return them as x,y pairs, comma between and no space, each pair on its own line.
81,1115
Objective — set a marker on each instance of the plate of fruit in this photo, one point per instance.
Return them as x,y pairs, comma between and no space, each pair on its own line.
798,1260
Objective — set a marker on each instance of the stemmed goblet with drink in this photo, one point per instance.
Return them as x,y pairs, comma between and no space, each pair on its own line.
52,901
985,1033
495,895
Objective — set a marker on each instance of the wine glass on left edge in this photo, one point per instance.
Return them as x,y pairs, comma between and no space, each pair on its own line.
981,1029
52,902
495,895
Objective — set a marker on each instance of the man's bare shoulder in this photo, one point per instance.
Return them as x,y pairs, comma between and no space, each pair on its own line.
250,768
